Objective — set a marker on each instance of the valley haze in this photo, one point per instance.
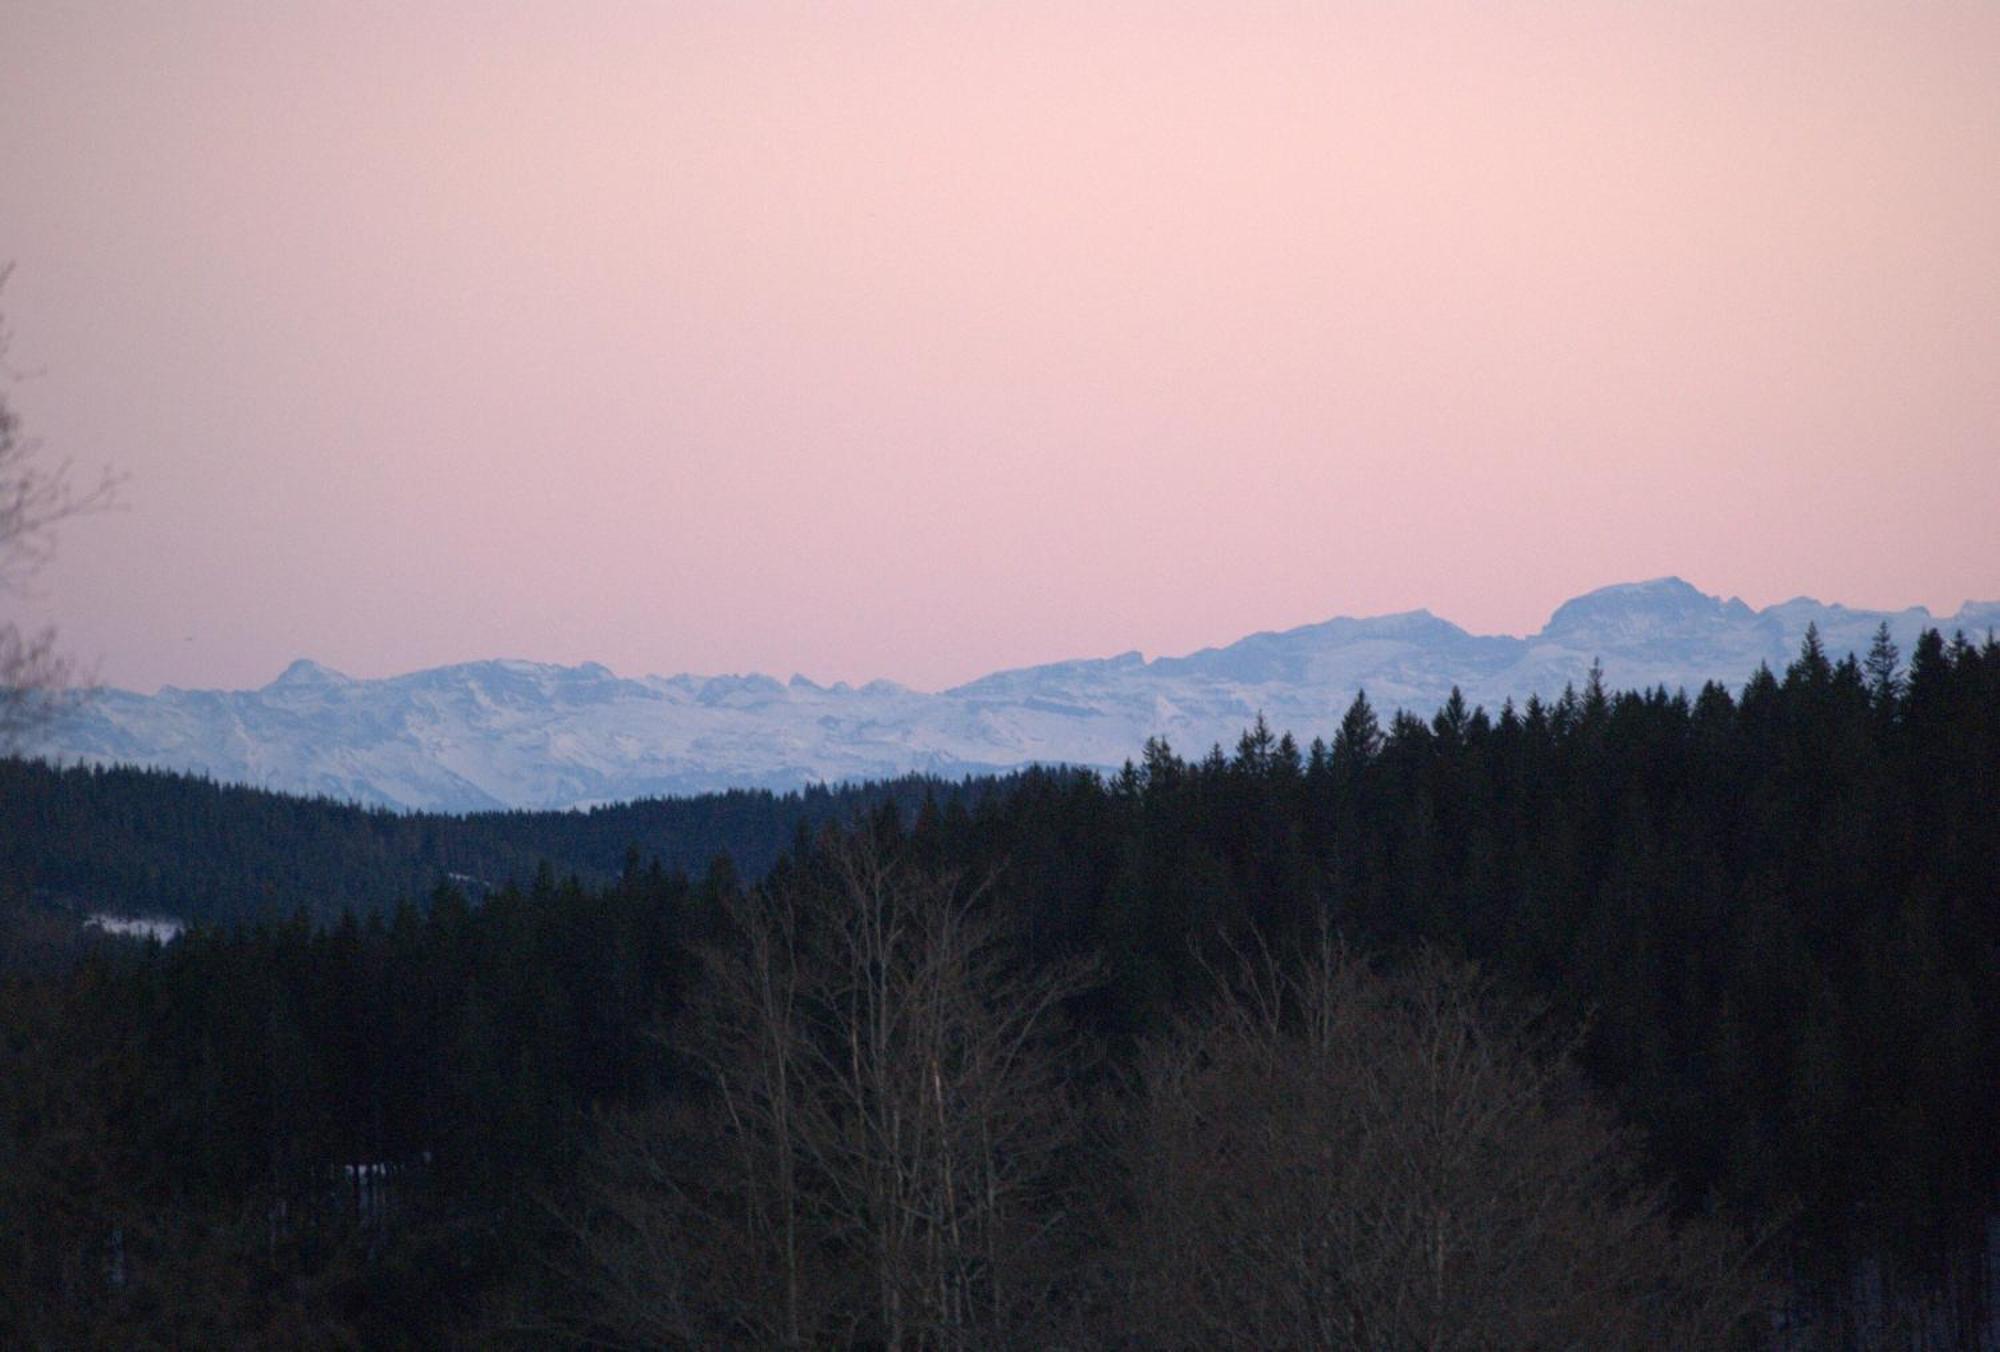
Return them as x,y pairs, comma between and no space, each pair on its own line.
515,734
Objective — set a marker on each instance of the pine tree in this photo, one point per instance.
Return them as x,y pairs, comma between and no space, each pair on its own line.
1359,739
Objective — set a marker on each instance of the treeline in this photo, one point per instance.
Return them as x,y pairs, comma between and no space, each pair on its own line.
1763,928
152,842
1778,914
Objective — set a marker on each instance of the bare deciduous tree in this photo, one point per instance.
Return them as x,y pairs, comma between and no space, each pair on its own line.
886,1114
1335,1159
35,496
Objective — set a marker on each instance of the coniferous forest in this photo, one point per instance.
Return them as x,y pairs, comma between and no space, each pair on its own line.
1633,1019
150,842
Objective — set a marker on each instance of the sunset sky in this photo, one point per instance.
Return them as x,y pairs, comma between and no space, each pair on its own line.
917,341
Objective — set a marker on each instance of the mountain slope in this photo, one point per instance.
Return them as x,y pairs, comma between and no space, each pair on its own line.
505,734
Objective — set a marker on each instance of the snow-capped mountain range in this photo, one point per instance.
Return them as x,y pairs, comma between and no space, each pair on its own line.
509,734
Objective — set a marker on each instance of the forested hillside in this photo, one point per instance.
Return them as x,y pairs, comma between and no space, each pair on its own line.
149,842
1760,930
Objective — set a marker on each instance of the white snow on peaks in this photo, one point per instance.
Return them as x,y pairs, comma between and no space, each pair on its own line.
513,734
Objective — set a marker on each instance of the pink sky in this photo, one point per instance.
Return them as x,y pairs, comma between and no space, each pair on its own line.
861,340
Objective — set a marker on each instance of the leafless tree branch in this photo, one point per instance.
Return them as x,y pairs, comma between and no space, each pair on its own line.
36,496
886,1086
1333,1158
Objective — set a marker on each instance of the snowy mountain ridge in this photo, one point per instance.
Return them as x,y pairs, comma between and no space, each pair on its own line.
515,734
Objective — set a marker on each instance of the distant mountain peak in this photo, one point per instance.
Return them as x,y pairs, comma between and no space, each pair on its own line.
306,672
1669,590
1661,604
